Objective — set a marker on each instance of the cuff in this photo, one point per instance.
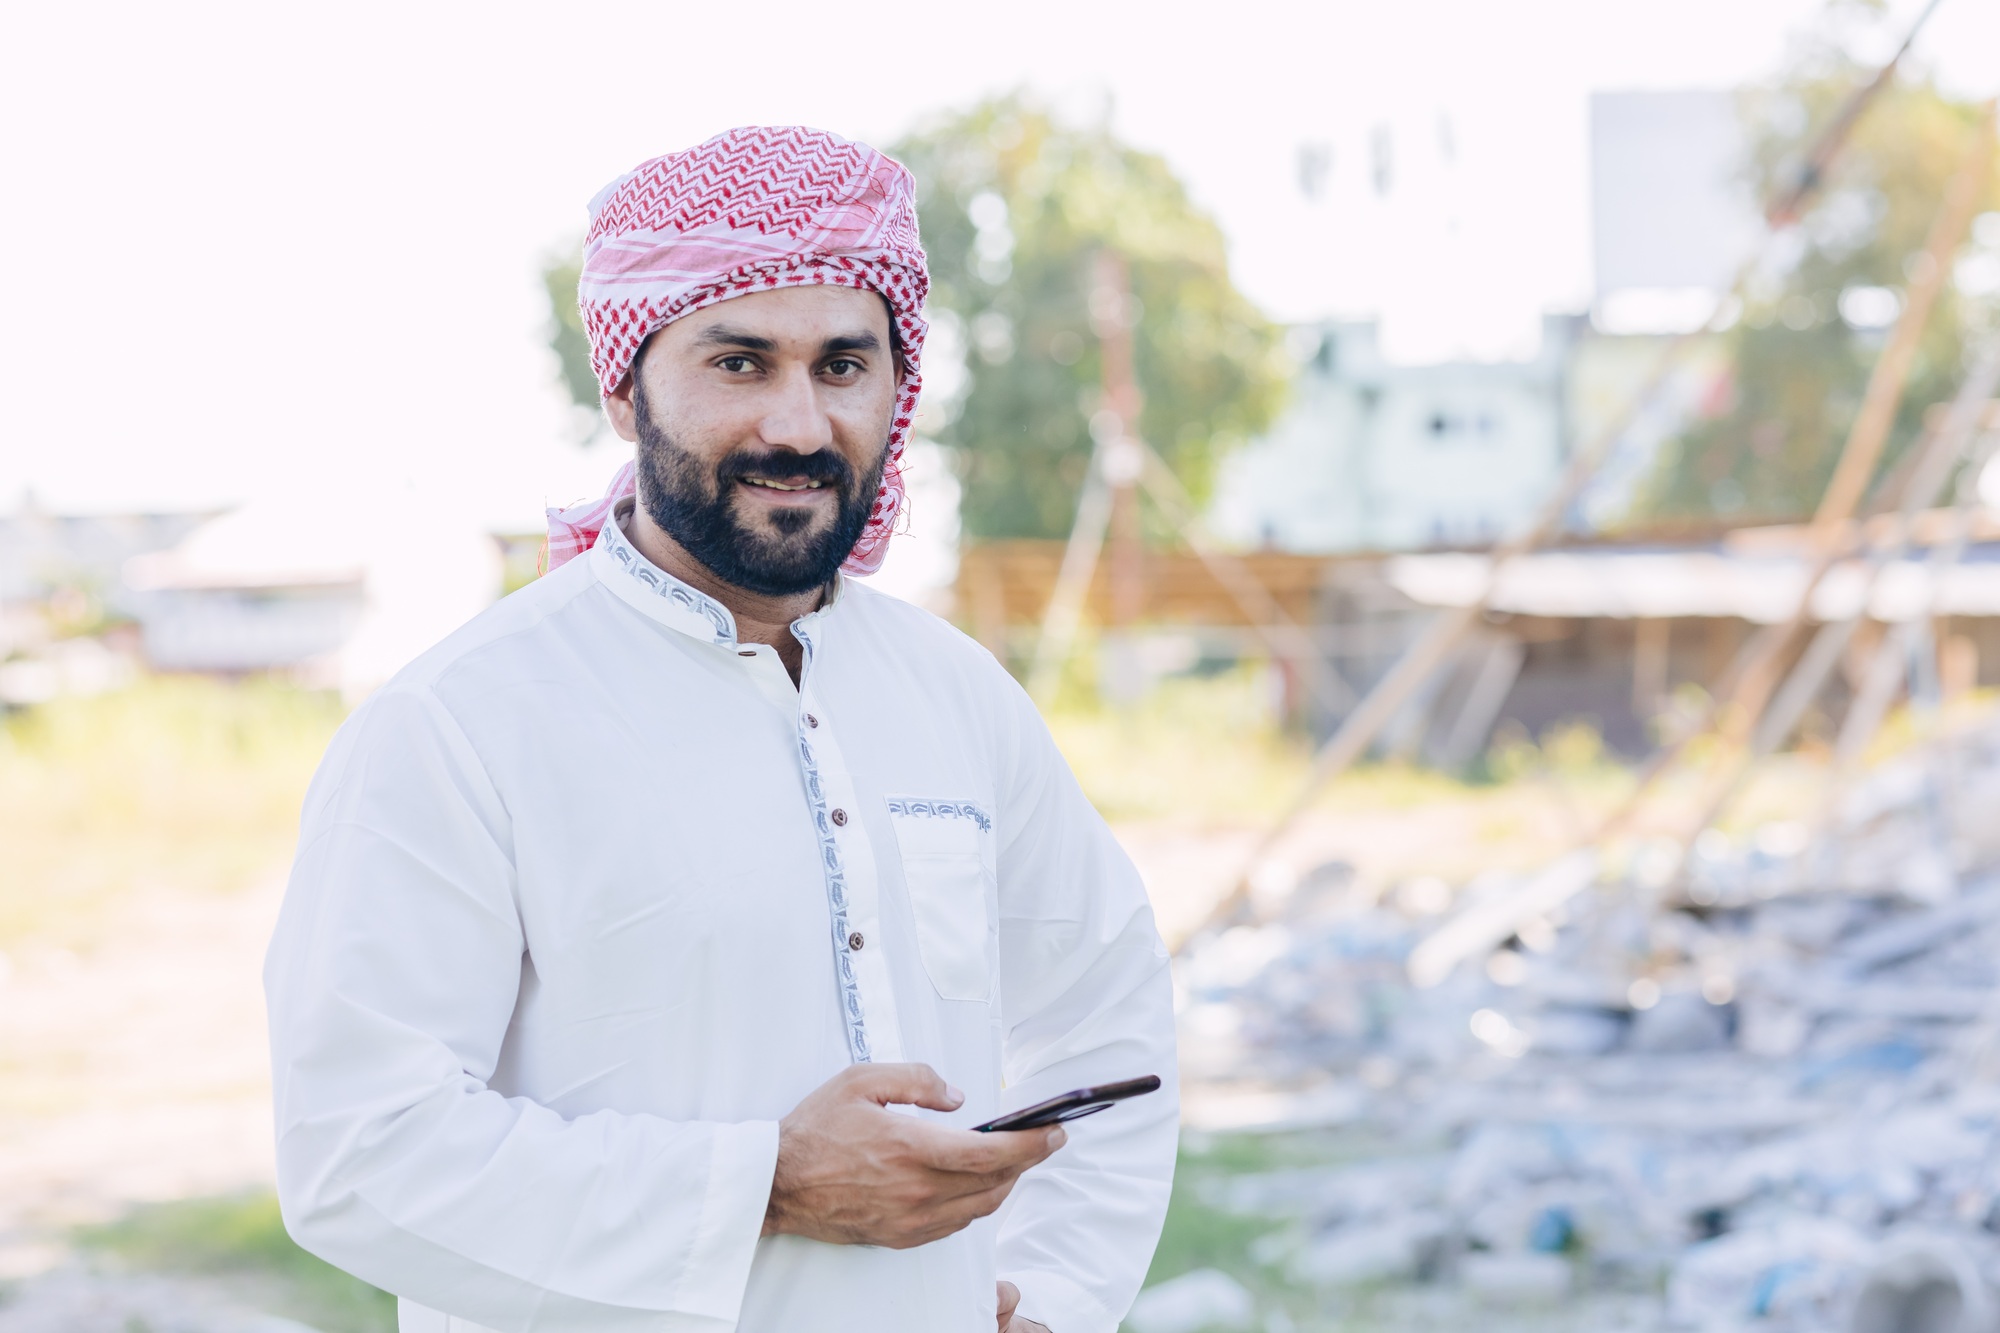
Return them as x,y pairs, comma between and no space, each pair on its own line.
1058,1304
740,1166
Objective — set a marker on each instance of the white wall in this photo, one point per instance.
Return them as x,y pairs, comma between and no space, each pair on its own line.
1376,456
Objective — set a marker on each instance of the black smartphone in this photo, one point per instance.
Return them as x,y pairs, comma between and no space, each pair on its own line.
1072,1105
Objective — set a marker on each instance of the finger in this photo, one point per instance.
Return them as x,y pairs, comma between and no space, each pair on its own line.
910,1084
1003,1152
1007,1297
947,1217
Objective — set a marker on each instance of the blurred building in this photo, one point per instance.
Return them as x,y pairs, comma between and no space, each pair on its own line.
63,604
1372,455
1671,212
334,595
253,590
1378,456
330,595
71,563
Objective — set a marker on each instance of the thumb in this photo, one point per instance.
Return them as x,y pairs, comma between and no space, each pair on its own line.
914,1084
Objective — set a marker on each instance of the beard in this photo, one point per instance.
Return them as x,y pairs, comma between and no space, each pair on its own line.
695,504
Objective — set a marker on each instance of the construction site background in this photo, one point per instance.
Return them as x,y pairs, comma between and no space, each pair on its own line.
1564,769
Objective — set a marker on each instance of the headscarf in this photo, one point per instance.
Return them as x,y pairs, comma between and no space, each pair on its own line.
752,209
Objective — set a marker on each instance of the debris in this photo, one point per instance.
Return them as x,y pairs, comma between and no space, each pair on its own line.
1931,1283
1400,1247
1773,1099
1515,1277
1487,924
1791,1272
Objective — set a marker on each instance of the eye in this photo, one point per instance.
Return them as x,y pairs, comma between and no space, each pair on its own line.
736,364
842,367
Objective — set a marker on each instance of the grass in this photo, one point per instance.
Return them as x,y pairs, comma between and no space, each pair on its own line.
188,783
241,1239
1200,747
1200,1235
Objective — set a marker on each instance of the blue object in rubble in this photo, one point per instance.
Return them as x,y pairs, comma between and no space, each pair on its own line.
1553,1232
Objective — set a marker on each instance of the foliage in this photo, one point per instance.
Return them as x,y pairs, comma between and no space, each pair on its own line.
561,272
244,1236
1015,207
187,782
1800,364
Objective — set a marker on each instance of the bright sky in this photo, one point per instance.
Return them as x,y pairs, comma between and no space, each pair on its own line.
291,250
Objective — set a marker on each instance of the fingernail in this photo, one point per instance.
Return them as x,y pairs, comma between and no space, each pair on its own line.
1057,1138
953,1095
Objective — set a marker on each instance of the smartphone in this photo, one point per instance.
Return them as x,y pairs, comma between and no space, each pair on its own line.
1072,1105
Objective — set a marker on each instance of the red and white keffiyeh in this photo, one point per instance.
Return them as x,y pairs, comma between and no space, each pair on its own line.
750,210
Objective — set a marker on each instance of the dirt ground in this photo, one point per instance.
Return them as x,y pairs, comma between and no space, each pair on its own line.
135,1071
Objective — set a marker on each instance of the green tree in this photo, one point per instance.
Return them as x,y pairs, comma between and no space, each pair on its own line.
1014,207
1805,343
561,272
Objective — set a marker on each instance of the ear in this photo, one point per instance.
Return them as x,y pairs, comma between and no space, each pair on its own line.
620,410
621,405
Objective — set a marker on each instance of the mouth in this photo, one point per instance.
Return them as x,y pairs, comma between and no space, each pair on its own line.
785,487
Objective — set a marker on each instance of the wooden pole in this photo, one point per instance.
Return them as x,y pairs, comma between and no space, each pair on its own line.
1109,504
1437,644
1064,613
1112,319
1284,636
1832,531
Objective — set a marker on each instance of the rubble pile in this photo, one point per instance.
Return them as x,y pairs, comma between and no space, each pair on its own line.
1762,1091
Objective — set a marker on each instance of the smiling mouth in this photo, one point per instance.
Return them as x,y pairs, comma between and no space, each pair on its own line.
791,486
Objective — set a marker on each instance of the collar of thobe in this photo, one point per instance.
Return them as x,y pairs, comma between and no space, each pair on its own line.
653,592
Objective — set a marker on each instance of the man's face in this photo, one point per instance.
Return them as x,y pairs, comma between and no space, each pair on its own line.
762,426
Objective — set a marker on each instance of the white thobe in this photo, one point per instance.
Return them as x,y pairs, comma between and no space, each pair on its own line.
591,895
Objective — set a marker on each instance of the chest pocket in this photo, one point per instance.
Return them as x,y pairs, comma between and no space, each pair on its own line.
947,851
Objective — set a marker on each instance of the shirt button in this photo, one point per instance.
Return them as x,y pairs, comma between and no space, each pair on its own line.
746,652
840,817
812,721
855,941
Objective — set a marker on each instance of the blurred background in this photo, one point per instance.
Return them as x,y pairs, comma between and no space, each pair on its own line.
1495,501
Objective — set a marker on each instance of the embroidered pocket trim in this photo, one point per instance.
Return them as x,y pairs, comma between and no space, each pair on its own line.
946,849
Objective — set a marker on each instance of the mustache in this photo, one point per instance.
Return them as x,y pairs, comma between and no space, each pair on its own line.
782,465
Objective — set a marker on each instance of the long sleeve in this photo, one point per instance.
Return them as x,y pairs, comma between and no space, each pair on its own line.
392,979
1086,998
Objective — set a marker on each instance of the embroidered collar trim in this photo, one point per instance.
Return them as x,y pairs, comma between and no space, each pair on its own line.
678,605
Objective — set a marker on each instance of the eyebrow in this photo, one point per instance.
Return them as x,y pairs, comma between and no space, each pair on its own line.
853,342
724,335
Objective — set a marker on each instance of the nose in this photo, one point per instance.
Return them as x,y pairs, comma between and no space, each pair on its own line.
794,416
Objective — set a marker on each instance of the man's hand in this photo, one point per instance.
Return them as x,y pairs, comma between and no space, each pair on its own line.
852,1173
1010,1297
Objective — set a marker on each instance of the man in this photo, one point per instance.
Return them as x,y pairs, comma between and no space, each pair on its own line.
655,940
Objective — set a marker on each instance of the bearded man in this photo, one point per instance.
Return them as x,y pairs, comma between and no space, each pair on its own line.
655,941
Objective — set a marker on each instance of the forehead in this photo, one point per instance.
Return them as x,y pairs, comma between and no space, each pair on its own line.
789,314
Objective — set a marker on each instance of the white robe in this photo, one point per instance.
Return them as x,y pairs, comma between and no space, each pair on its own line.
590,896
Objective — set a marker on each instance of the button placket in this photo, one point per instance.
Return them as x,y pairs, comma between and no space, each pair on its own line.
862,952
